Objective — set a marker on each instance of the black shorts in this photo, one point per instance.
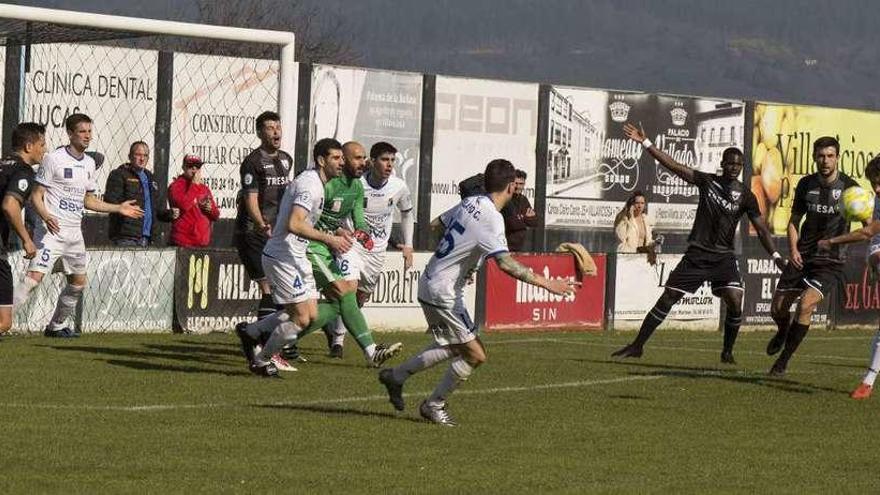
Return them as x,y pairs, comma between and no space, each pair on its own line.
822,277
698,266
5,283
250,251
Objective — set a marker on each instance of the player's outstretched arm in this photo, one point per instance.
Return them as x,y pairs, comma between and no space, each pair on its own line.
12,212
407,227
128,208
298,224
860,235
676,168
521,272
39,204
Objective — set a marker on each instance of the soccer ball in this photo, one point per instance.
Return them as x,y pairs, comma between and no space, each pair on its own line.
858,204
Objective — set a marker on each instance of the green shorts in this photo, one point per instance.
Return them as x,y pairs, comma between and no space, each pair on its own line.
324,267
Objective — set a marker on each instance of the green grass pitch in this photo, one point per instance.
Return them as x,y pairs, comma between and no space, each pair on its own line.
549,413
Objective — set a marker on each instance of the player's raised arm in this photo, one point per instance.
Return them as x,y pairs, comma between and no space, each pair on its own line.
676,168
298,224
860,235
521,272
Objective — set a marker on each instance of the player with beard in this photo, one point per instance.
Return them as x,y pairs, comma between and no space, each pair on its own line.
710,254
811,273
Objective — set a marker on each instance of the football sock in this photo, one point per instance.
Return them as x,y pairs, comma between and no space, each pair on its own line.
732,322
874,368
65,306
459,371
284,333
266,307
354,320
339,332
782,323
796,334
23,290
652,320
266,324
430,356
327,312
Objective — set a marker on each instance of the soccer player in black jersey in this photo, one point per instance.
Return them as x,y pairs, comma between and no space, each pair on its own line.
710,254
16,184
811,273
265,173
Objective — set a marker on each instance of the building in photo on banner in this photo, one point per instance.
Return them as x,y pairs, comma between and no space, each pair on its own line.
574,144
719,126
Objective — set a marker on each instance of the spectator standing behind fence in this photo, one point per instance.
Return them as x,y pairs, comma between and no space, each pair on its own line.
633,226
518,215
196,203
129,181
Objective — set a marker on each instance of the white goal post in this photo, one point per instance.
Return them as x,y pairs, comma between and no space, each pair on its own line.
287,98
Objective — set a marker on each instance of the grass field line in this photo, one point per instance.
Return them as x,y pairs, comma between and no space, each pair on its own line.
674,348
341,400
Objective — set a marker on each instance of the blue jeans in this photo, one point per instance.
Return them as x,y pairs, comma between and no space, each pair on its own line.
132,242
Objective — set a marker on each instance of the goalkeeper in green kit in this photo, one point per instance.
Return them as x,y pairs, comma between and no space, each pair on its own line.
344,206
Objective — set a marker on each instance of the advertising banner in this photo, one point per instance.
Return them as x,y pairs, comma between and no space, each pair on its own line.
212,291
760,277
476,121
515,305
368,106
116,87
593,168
782,151
394,304
638,285
215,105
129,291
860,297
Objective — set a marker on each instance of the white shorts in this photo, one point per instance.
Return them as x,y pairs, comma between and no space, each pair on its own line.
351,262
372,266
291,282
449,326
68,245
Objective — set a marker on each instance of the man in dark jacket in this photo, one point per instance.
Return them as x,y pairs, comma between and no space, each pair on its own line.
133,181
518,215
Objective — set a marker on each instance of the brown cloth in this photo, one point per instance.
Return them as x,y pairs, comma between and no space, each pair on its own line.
582,259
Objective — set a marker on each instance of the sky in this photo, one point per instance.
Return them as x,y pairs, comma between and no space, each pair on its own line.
798,51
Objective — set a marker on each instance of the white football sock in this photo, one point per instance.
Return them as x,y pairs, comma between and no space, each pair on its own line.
430,356
284,333
458,372
267,324
339,332
65,306
874,367
23,290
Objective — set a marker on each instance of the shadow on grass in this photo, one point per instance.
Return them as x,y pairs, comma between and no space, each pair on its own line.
147,366
731,375
346,411
630,397
860,367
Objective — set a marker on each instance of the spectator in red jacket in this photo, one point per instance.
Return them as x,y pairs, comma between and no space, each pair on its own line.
196,204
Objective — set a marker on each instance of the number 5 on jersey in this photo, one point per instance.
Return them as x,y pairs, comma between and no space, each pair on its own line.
447,244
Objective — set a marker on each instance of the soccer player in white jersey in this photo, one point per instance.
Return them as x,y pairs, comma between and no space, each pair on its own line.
474,231
65,185
286,265
383,192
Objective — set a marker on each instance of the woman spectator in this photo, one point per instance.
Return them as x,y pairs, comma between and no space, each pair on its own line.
633,227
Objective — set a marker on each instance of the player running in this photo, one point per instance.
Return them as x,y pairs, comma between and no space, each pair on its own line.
810,273
265,173
710,254
344,202
383,192
66,185
872,232
16,184
474,231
